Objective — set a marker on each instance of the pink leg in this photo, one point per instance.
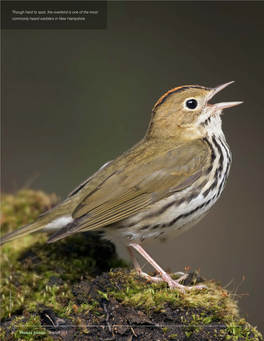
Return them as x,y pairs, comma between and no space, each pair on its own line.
133,258
138,268
165,277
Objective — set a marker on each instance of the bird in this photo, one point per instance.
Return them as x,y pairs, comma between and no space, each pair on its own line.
156,190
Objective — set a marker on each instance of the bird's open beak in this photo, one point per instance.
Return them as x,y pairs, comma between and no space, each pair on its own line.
220,106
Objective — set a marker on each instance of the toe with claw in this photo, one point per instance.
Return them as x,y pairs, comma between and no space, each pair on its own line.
162,275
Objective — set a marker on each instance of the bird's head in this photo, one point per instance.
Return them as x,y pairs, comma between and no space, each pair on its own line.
186,112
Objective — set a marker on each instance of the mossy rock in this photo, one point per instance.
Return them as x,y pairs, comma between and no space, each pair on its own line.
66,291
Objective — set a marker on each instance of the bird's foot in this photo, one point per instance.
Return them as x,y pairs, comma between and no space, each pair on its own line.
154,279
162,275
173,283
157,279
182,276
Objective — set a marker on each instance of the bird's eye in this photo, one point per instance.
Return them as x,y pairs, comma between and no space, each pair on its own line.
191,103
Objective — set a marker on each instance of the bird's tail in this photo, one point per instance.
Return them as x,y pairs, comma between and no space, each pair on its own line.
53,219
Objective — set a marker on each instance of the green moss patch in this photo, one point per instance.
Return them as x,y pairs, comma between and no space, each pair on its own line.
23,208
26,329
129,301
49,291
36,275
43,273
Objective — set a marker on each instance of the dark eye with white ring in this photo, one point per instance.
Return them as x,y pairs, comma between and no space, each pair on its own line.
191,103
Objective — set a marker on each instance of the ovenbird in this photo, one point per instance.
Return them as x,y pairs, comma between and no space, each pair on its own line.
160,187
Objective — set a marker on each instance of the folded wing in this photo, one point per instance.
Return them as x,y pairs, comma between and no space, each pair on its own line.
132,188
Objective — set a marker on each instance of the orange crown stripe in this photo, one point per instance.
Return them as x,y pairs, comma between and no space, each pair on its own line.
179,88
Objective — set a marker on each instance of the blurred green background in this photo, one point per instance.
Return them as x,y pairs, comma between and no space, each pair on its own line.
73,100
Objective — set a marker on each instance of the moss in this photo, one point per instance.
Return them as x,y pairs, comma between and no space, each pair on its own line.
2,334
87,308
19,210
56,280
23,208
241,329
135,293
28,329
36,274
214,306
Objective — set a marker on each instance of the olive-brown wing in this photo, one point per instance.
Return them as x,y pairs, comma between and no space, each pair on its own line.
125,192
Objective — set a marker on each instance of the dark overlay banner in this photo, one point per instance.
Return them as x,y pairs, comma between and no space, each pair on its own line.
53,14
